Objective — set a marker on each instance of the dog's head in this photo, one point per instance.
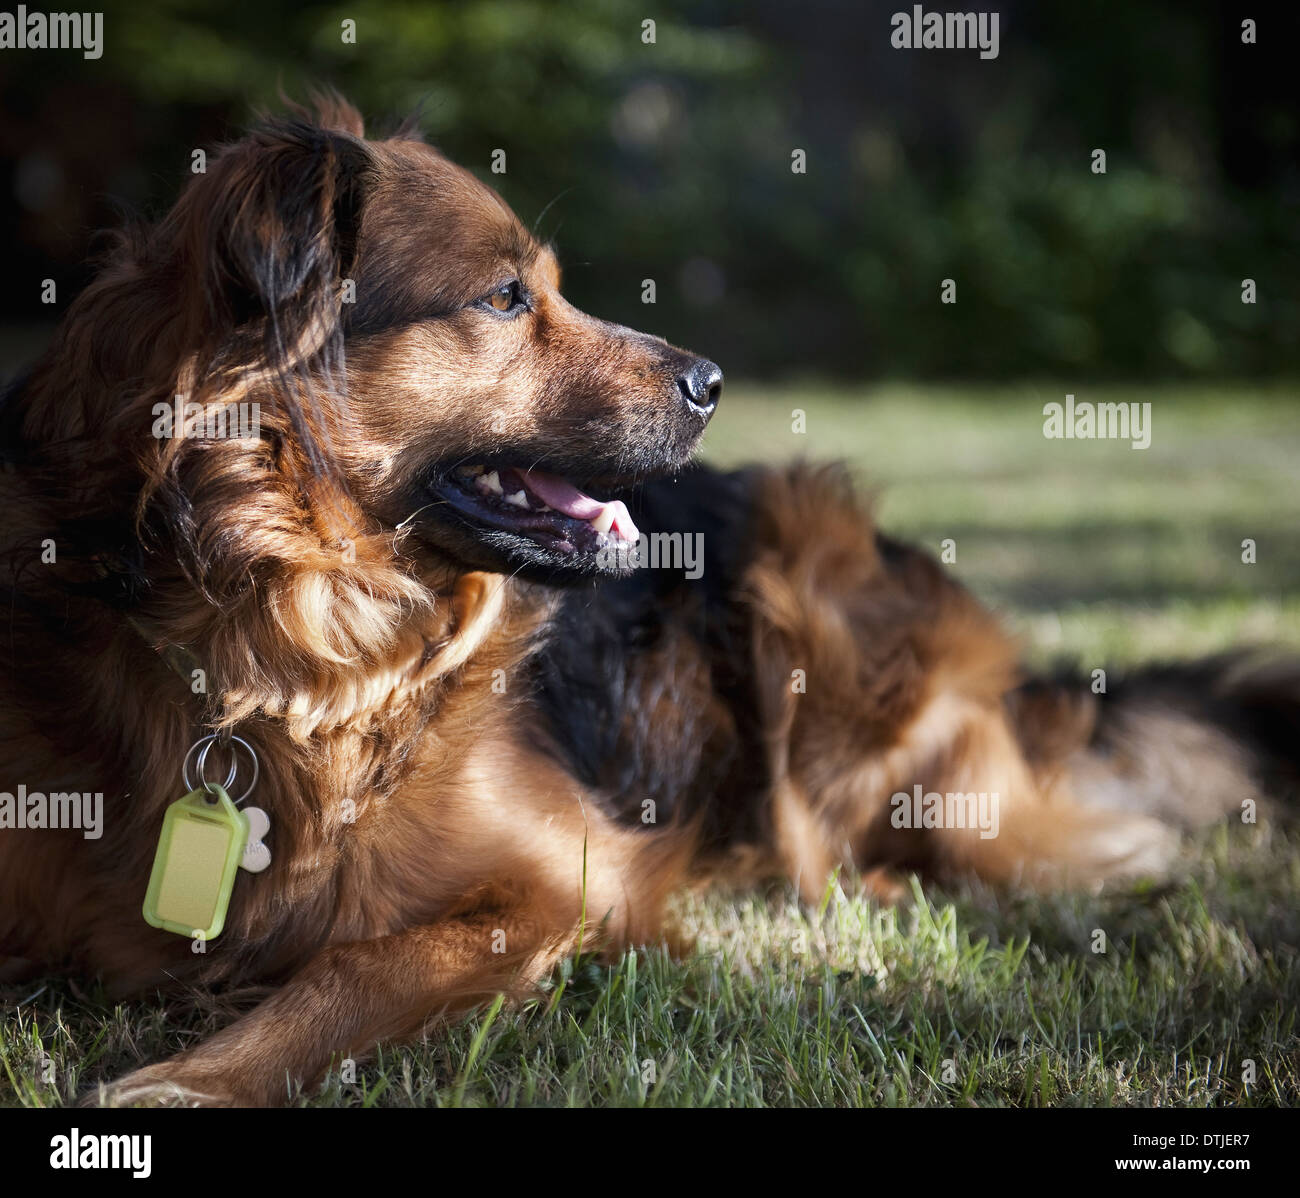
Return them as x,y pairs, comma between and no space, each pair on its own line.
495,416
408,333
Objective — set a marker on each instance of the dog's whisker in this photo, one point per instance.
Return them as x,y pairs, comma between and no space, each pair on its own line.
407,522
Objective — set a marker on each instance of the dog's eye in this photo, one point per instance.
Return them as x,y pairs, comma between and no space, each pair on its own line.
506,296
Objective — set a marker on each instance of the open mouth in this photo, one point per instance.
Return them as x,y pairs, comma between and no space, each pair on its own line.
543,507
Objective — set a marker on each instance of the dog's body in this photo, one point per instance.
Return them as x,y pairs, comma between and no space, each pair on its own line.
468,769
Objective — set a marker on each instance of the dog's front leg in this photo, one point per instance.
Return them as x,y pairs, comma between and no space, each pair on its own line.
345,1000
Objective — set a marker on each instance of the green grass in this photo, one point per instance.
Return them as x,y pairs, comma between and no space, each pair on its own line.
1093,551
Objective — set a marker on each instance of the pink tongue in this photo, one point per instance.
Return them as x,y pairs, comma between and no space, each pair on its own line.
566,498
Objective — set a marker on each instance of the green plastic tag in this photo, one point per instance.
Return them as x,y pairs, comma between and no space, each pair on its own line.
194,870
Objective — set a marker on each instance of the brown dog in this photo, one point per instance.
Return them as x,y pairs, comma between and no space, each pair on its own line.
467,765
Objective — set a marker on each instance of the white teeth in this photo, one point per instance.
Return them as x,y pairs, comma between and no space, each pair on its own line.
490,482
519,499
624,529
605,521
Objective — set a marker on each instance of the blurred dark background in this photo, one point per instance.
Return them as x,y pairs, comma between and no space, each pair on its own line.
671,162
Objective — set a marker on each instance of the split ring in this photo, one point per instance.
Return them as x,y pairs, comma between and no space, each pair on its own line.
206,743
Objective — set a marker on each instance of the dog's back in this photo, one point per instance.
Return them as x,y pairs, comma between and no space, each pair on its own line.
785,686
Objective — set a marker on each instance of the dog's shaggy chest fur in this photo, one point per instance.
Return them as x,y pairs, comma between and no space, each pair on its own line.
477,748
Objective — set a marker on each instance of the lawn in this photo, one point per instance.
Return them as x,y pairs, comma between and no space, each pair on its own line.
1095,552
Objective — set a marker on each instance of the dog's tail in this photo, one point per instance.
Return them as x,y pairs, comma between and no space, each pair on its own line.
1186,743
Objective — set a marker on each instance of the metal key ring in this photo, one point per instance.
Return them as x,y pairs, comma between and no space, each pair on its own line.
206,742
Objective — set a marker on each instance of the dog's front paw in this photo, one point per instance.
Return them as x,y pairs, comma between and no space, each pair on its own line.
169,1083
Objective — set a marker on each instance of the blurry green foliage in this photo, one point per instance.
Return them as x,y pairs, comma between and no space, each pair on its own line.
671,161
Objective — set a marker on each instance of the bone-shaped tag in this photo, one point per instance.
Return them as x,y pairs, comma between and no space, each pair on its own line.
256,855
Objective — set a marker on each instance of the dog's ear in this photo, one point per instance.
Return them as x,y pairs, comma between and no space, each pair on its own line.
257,249
263,242
270,230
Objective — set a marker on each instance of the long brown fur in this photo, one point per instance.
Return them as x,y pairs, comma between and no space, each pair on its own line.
428,849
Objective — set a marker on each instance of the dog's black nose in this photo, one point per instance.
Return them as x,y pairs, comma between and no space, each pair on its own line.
701,385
